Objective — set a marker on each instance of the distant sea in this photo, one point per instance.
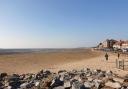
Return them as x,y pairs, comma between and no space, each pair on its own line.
16,51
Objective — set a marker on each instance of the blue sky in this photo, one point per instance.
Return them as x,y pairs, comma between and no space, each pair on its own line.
61,23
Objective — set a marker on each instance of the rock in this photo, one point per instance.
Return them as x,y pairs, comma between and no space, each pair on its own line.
14,77
30,85
24,85
37,83
88,84
113,84
82,75
43,85
6,83
62,78
126,78
47,72
75,79
9,87
1,85
26,76
60,87
83,87
3,75
61,72
88,75
98,83
124,87
42,71
88,70
76,84
90,79
67,77
15,84
57,82
101,74
118,79
94,71
99,70
109,73
67,84
22,77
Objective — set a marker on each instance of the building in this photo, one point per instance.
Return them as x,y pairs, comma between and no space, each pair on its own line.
100,46
113,44
108,43
125,45
118,44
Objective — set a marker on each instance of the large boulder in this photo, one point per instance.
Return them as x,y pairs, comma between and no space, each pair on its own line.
56,83
118,79
111,84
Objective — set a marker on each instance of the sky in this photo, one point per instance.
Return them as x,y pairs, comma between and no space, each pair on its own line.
61,23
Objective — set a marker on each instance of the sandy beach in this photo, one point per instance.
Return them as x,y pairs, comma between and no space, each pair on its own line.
54,61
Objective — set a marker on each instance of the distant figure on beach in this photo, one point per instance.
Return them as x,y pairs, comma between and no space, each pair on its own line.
106,57
118,55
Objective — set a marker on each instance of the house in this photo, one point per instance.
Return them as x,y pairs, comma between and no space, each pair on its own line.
118,44
122,45
108,43
125,45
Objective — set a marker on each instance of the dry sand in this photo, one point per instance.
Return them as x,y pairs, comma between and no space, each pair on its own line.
97,63
71,59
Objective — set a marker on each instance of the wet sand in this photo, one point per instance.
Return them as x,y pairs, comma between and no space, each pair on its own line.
34,62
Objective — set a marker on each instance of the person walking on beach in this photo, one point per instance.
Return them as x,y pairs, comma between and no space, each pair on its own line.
106,56
118,55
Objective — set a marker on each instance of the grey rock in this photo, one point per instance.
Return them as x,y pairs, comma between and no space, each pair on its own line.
67,84
74,79
9,87
76,85
98,83
60,87
89,84
109,73
37,83
57,82
113,84
24,85
101,74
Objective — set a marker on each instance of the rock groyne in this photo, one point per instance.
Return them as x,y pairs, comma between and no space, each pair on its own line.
74,79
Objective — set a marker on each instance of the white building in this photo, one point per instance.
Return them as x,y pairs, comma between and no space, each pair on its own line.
125,45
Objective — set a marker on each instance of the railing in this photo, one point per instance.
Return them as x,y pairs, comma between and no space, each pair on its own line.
121,64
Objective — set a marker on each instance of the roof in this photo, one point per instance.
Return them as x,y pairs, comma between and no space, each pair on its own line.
121,42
